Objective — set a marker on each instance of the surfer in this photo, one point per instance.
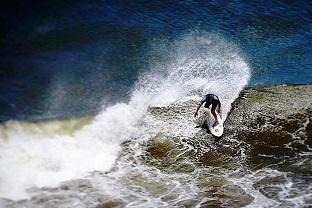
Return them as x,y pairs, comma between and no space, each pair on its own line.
213,100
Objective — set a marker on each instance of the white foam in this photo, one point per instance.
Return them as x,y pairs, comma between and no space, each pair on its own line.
33,158
195,64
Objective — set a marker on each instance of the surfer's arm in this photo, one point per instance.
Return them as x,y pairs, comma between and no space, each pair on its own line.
197,109
199,105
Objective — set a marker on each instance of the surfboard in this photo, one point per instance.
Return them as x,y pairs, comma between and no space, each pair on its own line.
216,131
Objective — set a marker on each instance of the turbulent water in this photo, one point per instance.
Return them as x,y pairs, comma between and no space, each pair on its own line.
40,158
97,103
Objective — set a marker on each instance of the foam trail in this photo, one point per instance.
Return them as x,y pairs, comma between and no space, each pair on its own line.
194,64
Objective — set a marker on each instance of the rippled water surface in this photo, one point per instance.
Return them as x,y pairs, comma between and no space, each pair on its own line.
97,101
55,55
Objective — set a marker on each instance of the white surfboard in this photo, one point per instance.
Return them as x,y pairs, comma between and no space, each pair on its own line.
218,129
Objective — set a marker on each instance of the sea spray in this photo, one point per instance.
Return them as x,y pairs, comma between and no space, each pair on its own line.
194,64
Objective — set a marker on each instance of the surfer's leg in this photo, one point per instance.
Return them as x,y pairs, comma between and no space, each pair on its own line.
213,112
216,119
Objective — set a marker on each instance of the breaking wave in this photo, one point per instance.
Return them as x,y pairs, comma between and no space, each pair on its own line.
38,154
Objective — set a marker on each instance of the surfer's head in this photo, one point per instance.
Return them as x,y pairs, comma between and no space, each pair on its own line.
209,98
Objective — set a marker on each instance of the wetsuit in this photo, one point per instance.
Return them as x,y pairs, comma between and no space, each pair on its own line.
214,102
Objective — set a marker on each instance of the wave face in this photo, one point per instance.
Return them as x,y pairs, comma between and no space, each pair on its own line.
38,154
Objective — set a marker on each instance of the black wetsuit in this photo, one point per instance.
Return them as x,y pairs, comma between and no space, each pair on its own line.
215,102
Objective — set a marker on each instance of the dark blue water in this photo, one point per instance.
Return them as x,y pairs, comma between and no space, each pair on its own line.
71,58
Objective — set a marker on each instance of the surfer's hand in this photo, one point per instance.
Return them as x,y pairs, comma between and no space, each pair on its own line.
196,113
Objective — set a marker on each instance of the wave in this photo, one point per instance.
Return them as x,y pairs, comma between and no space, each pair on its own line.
38,155
196,64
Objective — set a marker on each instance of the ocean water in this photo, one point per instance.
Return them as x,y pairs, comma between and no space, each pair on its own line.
96,68
74,57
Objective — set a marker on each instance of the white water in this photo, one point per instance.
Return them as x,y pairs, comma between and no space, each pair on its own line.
195,64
